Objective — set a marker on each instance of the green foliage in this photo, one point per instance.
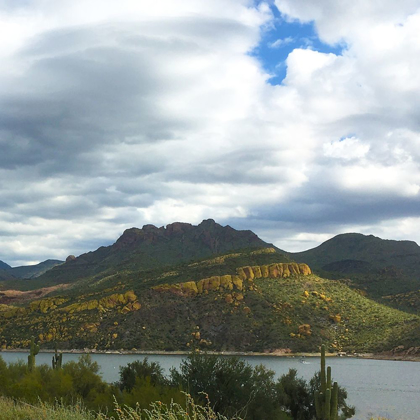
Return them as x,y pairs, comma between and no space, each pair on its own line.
141,370
87,383
233,386
172,411
12,410
294,395
142,383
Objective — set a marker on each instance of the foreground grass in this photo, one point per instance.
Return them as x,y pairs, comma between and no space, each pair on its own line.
11,410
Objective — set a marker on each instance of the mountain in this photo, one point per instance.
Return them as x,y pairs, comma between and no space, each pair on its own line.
153,248
32,271
377,252
4,266
210,287
380,267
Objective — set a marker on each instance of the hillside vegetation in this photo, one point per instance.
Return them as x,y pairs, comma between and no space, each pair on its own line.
204,286
381,268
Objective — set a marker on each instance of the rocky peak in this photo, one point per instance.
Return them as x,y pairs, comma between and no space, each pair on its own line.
208,222
178,227
149,228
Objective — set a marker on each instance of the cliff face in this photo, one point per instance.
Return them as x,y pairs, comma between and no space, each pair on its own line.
243,279
207,235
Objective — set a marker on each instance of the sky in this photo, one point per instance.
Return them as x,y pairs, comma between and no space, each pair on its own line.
296,119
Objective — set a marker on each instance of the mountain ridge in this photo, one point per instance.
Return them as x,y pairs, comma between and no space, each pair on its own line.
153,247
181,286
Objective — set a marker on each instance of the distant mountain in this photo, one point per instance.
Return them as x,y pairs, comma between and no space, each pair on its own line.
382,267
32,271
355,246
152,248
4,266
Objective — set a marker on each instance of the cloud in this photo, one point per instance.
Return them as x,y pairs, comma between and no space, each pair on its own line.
281,42
149,112
348,148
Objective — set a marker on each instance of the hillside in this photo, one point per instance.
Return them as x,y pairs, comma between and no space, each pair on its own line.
380,267
4,266
203,286
377,252
9,275
262,307
5,275
32,271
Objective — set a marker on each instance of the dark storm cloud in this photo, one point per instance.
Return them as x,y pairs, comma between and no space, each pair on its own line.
75,100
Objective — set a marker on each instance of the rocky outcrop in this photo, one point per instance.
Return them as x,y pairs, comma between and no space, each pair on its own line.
273,271
244,275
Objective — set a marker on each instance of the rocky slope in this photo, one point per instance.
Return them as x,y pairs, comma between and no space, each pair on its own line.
214,288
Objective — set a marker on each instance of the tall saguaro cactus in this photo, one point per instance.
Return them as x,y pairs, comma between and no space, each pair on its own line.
57,359
34,350
326,400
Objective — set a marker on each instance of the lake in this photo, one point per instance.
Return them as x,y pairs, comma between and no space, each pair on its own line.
384,388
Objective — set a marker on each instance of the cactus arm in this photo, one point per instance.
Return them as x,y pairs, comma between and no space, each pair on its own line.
327,409
323,379
329,377
334,402
317,397
57,359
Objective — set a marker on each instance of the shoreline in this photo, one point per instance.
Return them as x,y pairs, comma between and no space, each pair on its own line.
373,356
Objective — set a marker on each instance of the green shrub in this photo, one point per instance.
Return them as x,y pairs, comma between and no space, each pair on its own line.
233,386
142,370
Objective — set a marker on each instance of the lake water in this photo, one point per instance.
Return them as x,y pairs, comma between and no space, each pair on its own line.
384,388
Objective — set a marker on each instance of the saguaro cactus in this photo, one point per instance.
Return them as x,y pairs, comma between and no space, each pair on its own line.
326,400
57,359
33,351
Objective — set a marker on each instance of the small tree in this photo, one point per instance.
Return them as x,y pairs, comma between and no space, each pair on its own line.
233,386
141,370
294,396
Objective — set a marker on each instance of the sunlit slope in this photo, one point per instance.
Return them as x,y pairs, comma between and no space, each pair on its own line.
243,301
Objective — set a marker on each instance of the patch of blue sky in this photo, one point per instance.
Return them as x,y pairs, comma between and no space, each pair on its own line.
348,136
280,38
